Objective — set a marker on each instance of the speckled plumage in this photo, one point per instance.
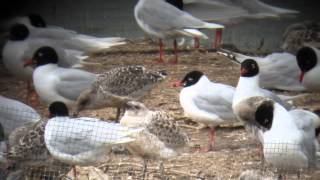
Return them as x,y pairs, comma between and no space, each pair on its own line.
162,137
117,86
26,144
296,35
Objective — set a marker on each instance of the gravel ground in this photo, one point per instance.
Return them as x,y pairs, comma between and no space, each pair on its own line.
234,152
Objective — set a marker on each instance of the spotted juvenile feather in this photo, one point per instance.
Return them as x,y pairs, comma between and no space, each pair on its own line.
27,143
162,137
296,35
117,86
125,81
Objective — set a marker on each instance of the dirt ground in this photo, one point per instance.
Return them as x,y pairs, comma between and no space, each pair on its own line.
234,152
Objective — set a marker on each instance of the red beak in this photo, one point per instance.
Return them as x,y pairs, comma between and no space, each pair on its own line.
178,84
301,77
243,71
28,62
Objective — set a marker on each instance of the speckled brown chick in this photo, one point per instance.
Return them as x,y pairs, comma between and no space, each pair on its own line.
117,86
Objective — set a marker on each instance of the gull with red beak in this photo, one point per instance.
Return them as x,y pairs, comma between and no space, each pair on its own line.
248,87
21,46
308,62
206,102
54,83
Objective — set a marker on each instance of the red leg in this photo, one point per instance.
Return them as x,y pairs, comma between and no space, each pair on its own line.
161,51
175,46
211,144
74,172
196,43
218,38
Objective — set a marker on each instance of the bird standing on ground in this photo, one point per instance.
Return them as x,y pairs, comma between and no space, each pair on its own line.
117,86
229,12
206,102
53,83
161,139
162,20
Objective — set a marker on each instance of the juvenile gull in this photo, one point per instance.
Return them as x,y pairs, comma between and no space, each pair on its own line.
162,20
26,146
117,86
298,34
162,138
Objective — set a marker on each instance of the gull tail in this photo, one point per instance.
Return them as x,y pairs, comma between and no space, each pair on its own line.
235,57
193,33
96,44
212,26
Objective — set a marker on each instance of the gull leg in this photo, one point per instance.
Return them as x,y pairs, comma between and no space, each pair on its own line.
175,49
161,52
217,38
161,170
211,144
196,43
144,169
118,114
74,172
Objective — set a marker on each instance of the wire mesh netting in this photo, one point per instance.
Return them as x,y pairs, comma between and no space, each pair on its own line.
289,158
13,117
88,144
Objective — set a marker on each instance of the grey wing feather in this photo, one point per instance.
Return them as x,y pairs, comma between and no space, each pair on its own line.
73,82
72,90
163,16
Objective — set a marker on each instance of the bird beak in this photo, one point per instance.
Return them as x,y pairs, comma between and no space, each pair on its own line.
178,84
243,71
28,62
301,77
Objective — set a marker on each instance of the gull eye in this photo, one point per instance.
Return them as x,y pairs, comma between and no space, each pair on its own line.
190,79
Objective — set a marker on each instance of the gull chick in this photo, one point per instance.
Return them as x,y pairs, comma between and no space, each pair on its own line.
161,139
117,86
